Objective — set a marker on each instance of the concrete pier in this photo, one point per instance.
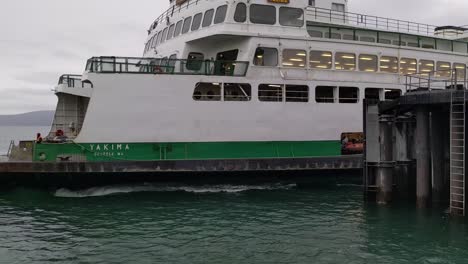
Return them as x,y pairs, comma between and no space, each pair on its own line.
385,169
438,155
423,157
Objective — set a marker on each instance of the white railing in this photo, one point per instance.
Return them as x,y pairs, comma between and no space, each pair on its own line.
366,21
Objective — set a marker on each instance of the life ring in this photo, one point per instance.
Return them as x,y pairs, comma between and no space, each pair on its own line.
158,69
59,133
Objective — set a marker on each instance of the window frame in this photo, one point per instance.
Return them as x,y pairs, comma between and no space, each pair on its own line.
281,18
209,14
253,8
245,12
220,10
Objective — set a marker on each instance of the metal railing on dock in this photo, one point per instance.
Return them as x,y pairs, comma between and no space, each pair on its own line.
437,80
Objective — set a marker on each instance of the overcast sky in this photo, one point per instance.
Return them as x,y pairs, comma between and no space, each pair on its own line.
41,39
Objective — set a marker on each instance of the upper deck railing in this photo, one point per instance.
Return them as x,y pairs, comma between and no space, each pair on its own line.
173,10
371,22
166,66
71,80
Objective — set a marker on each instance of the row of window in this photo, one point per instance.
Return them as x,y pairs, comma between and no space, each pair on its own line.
259,14
397,39
288,93
317,59
188,24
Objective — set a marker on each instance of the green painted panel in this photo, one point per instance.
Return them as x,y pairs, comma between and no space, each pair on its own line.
185,151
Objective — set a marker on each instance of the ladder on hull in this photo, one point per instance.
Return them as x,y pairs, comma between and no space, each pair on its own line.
457,153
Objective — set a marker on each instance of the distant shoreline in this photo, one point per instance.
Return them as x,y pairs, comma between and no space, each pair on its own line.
37,118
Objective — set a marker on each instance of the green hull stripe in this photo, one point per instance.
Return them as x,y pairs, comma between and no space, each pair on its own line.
185,151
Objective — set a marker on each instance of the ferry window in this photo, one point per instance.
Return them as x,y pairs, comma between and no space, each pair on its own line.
332,35
372,93
399,43
348,37
315,33
153,41
293,17
266,57
240,15
446,45
345,61
427,43
408,66
389,64
348,95
460,47
444,69
170,33
338,7
220,14
368,63
411,41
194,61
196,23
186,26
178,29
320,59
392,94
159,38
385,41
294,58
460,70
312,3
263,14
270,92
207,92
325,94
426,67
367,39
208,18
164,35
297,93
234,92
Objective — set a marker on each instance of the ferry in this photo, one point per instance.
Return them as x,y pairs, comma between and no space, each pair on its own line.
231,79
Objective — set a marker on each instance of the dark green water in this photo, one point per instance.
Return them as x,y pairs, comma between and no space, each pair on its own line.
223,224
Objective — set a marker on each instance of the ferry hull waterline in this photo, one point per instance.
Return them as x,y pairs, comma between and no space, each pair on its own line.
275,81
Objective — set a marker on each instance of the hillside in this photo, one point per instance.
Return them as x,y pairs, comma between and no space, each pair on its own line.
38,118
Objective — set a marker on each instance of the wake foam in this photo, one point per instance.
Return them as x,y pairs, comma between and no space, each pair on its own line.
115,190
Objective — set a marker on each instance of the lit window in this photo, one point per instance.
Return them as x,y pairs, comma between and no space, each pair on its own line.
320,59
426,67
348,95
196,21
297,93
325,94
178,29
345,61
444,69
234,92
389,64
338,7
186,26
220,14
294,58
240,15
270,92
408,66
368,63
194,61
291,17
263,14
460,70
266,57
373,93
170,33
207,92
208,18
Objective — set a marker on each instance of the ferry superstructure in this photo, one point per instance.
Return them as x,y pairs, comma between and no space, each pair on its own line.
245,79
